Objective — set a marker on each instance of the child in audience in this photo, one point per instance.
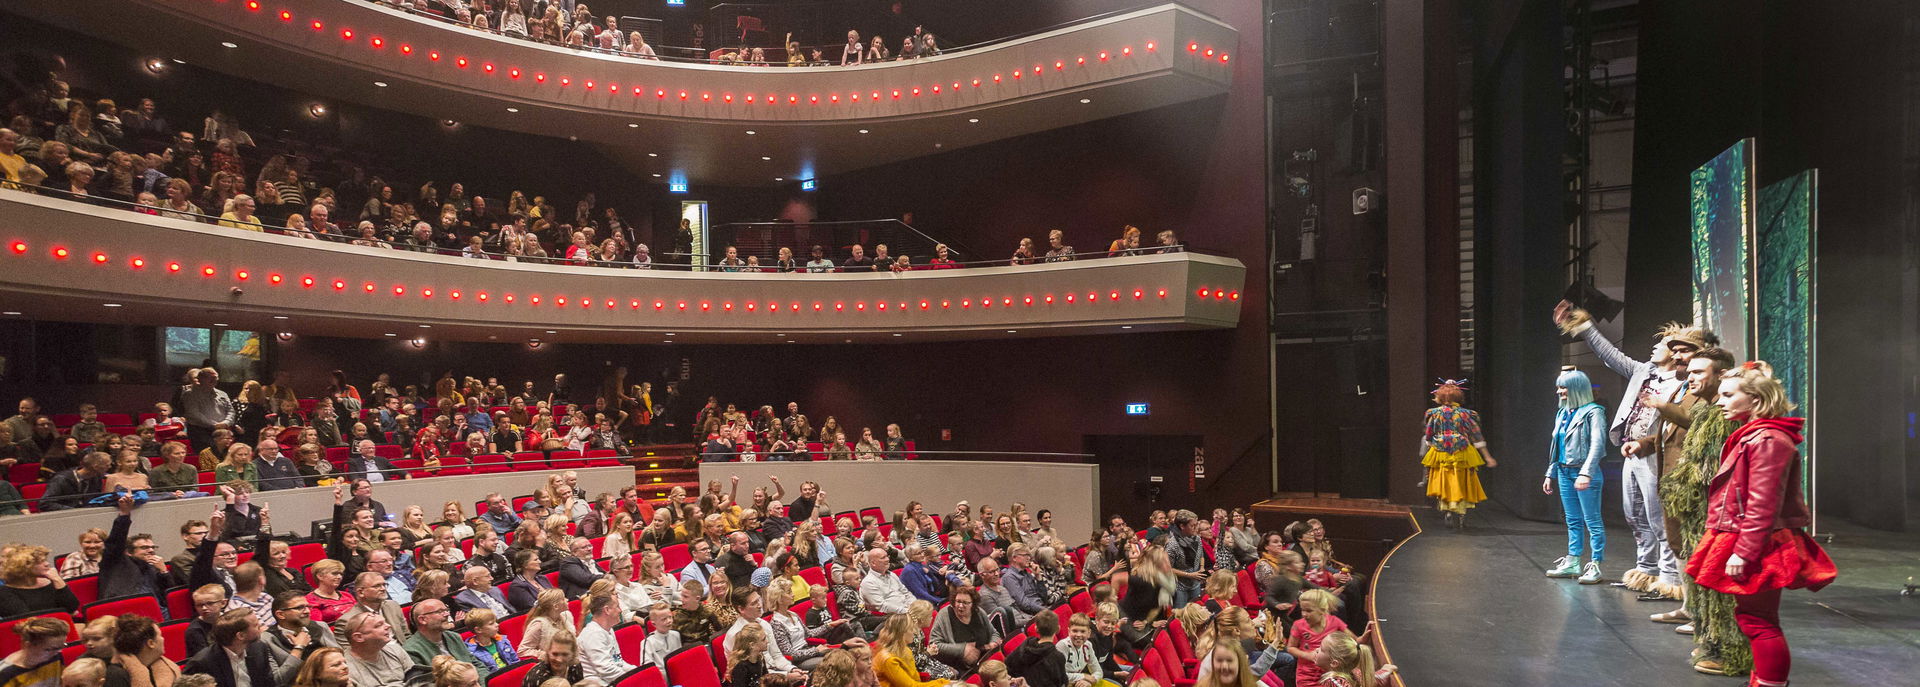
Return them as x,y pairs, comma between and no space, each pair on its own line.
1317,571
1082,662
89,430
1109,646
994,674
746,663
1035,659
1316,622
1345,662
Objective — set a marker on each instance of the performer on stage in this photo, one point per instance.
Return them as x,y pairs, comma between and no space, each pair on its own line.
1579,439
1719,649
1453,451
1755,544
1656,570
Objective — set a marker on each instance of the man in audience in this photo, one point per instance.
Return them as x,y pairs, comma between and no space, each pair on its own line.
701,568
1036,660
434,634
250,592
73,488
22,423
599,653
480,592
858,261
487,553
317,220
206,408
214,560
1024,589
209,601
389,415
499,513
880,591
1188,556
398,583
275,470
237,657
294,630
819,263
374,659
577,571
368,464
737,562
370,598
128,565
801,510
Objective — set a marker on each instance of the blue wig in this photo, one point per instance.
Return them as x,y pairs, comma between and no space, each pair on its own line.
1579,388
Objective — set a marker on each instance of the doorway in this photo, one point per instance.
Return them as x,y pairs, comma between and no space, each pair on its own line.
1142,472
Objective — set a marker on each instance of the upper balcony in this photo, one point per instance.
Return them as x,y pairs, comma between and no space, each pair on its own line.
686,120
73,261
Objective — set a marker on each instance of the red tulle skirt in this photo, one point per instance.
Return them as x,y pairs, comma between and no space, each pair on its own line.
1792,561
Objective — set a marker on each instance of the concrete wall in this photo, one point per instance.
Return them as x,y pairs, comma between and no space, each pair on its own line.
293,510
1071,491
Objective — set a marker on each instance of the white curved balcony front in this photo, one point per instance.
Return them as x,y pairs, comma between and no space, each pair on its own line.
819,120
63,260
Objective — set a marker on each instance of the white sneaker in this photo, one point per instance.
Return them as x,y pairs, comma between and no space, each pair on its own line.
1591,575
1567,566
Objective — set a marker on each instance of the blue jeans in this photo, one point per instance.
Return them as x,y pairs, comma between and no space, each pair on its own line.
1584,526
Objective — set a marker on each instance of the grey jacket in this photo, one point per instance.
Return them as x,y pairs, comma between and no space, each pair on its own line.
952,650
1585,441
1635,371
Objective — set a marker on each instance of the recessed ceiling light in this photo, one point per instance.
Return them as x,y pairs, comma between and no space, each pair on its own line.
426,326
656,175
392,334
763,157
1010,331
632,125
1084,101
381,84
221,324
515,109
653,155
229,44
669,333
751,132
279,317
973,120
10,312
552,332
863,131
779,178
899,335
111,305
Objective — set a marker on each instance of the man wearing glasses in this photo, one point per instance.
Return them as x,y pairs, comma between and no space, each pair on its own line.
434,634
370,594
130,566
293,630
193,532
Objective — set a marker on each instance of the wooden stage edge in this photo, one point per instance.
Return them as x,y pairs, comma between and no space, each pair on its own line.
1310,505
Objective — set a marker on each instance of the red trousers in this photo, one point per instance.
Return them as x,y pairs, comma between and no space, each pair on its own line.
1759,619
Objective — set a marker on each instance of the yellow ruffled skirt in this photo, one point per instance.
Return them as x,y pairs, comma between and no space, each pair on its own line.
1453,479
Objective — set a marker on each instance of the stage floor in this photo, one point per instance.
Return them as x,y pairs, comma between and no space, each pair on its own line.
1474,608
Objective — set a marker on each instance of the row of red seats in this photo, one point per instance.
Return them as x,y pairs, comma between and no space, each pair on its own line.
116,422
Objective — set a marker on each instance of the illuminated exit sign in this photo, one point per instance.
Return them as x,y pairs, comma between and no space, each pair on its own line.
1136,408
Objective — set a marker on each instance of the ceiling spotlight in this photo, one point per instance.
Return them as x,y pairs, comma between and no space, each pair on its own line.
515,109
973,120
1084,101
863,131
633,126
110,305
229,44
751,132
449,123
534,344
317,110
381,84
763,157
653,155
156,65
418,342
552,332
1010,331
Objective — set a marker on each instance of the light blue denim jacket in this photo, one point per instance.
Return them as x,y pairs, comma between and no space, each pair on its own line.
1585,441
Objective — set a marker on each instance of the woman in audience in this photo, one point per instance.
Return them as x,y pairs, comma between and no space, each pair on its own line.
139,658
1023,254
487,644
868,448
32,585
546,620
179,201
313,470
528,585
961,636
328,600
432,581
558,661
65,455
1150,583
719,591
85,561
274,557
324,667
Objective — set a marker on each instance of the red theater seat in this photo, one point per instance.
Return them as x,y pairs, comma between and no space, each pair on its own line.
145,605
173,640
692,667
180,601
487,464
86,588
511,676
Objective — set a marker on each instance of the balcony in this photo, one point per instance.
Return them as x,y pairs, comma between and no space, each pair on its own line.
700,122
71,261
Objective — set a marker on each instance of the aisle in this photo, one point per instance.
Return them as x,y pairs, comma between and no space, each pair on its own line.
1474,608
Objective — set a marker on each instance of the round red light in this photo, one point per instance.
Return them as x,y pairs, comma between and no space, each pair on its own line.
1009,301
378,42
19,247
539,77
253,5
406,49
1103,56
306,282
433,55
1017,73
682,305
816,306
482,296
454,294
1223,58
487,67
976,83
658,305
513,72
966,303
369,287
346,34
560,301
1233,296
793,100
1057,65
173,267
839,306
683,95
61,253
1069,298
883,305
508,298
207,271
1029,300
1113,296
339,285
100,258
1149,46
923,305
242,275
1163,293
859,306
589,84
138,263
936,89
1209,52
704,305
946,305
794,306
286,16
814,99
1217,295
1204,292
426,293
317,25
916,91
1050,299
1126,51
635,304
727,306
834,98
460,62
896,94
770,305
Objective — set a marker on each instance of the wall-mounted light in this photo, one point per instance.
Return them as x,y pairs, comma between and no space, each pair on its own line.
284,336
317,110
156,65
417,342
534,344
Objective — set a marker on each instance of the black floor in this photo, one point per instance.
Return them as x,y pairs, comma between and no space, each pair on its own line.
1474,608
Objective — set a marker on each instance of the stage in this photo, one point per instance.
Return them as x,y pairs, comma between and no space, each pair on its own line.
1474,608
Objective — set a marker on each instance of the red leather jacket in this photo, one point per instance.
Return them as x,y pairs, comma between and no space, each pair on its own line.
1757,489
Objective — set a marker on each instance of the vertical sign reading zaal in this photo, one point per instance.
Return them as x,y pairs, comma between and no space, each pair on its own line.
1199,468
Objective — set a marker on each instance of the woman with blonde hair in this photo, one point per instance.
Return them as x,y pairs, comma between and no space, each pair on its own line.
328,601
448,671
32,585
545,622
1149,586
413,526
1226,665
560,662
790,631
1755,543
324,667
893,660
